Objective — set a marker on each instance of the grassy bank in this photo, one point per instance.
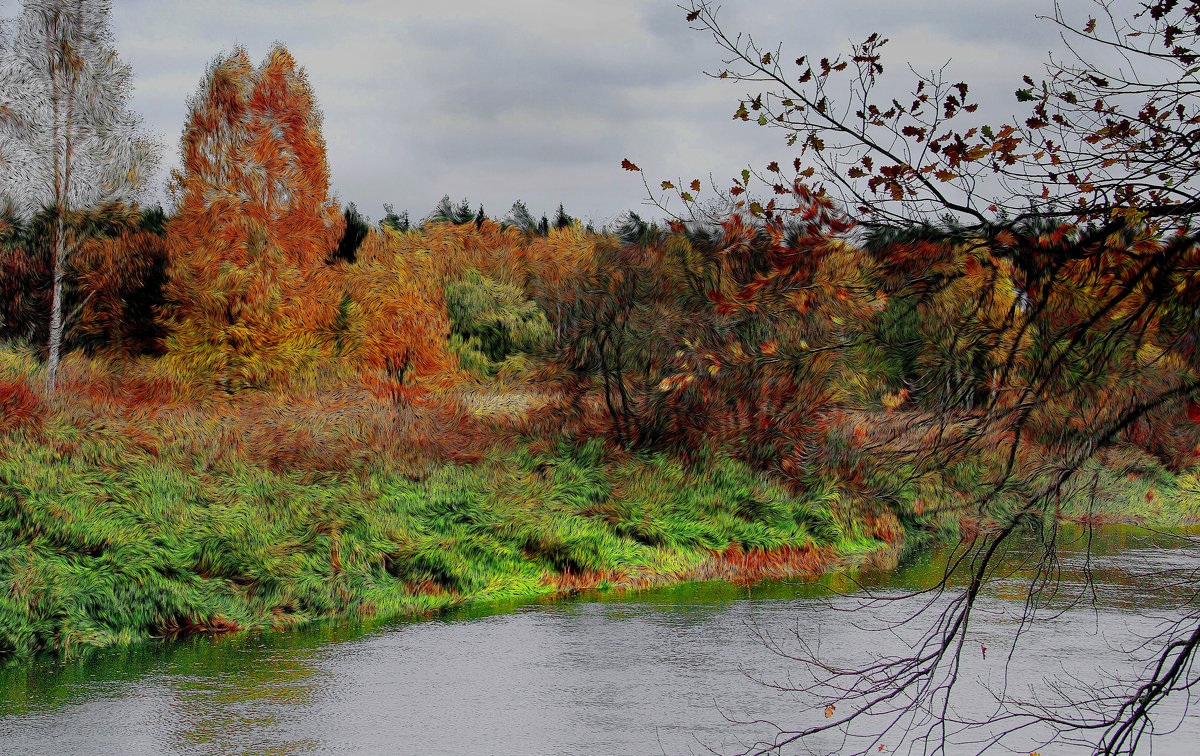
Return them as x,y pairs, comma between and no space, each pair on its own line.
146,508
121,522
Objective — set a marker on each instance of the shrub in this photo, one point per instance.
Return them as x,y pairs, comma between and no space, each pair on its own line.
20,408
120,284
494,320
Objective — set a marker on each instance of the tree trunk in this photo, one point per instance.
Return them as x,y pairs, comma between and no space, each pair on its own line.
62,191
56,317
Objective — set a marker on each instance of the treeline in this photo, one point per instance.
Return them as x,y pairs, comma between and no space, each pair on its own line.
788,341
916,363
256,278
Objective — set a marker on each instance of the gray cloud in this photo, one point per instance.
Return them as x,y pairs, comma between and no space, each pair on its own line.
540,100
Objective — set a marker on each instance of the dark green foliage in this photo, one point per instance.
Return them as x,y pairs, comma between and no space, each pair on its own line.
447,212
392,220
356,231
154,220
631,229
490,321
897,333
561,219
341,322
520,218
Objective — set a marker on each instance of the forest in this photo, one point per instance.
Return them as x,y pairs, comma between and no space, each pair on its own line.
256,409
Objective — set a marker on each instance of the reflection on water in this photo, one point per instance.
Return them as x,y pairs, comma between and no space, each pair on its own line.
658,672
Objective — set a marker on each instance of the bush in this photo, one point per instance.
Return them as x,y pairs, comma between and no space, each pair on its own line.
119,284
492,320
20,408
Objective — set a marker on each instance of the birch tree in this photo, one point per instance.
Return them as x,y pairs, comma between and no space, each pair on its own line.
67,140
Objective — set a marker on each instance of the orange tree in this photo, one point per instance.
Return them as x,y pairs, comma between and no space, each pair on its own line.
250,298
1042,291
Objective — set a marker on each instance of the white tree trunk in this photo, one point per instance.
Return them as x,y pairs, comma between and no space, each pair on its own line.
56,316
62,191
67,137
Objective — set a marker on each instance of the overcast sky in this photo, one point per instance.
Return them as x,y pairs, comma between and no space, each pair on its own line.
540,100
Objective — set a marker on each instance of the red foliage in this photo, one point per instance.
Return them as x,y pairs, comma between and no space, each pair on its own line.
120,281
25,279
1193,411
751,566
147,392
20,408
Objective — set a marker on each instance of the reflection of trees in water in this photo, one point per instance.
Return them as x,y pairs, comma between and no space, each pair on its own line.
1116,593
240,693
201,692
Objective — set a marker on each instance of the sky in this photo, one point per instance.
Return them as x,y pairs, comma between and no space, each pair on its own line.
540,100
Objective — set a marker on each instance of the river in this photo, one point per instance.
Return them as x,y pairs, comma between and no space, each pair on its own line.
662,671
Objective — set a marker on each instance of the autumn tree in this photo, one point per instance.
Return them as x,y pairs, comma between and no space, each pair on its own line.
67,140
250,294
734,335
1041,284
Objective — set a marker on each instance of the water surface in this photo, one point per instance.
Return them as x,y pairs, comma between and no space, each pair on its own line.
664,671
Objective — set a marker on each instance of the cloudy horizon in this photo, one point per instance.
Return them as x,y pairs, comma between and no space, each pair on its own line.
540,100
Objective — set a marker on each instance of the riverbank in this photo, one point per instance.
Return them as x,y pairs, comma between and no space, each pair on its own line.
499,670
122,522
143,508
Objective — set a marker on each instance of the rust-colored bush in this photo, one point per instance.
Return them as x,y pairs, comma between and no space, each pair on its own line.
20,408
120,283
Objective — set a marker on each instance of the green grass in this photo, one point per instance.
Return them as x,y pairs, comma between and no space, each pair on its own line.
108,547
123,520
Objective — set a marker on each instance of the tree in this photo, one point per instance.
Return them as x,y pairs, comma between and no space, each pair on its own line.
447,212
250,298
392,220
520,217
1100,139
1056,257
66,138
357,229
561,219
